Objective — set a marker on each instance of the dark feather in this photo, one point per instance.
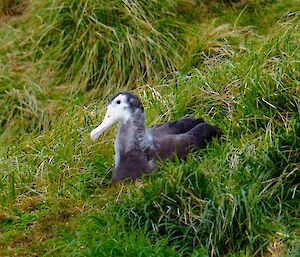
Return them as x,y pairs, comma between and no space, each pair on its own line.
182,125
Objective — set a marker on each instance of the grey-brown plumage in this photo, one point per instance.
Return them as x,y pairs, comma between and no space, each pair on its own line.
138,147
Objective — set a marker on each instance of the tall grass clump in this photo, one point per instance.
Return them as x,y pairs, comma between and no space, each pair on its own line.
111,42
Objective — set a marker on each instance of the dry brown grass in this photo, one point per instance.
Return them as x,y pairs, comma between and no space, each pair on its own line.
12,8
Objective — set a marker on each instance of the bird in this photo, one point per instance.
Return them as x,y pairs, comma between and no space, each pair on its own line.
138,148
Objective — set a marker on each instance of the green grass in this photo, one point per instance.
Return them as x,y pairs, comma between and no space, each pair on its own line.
234,63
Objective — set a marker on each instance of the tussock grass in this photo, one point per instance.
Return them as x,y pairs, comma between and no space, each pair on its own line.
238,197
102,43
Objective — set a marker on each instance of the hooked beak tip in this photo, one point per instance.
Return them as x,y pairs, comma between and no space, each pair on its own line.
94,135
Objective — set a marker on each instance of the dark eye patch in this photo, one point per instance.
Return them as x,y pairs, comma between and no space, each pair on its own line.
118,101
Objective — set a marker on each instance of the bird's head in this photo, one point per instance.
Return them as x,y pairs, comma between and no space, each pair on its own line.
120,108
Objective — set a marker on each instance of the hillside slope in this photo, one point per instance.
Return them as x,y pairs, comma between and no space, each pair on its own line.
233,63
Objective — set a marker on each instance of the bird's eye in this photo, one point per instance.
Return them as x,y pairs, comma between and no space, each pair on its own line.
118,102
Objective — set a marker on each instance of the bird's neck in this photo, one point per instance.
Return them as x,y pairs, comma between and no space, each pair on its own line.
132,131
132,135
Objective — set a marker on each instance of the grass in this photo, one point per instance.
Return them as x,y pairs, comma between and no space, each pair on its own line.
237,67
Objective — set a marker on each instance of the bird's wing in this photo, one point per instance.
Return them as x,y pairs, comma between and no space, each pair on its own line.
182,125
166,145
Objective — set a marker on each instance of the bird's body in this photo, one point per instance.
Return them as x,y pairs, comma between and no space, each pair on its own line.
137,147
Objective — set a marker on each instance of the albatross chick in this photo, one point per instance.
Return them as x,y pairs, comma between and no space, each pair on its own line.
137,147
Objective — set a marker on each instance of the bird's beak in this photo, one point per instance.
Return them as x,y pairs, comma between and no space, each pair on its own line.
107,122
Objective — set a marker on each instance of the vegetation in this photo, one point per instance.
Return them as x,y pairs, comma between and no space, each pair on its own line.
234,63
